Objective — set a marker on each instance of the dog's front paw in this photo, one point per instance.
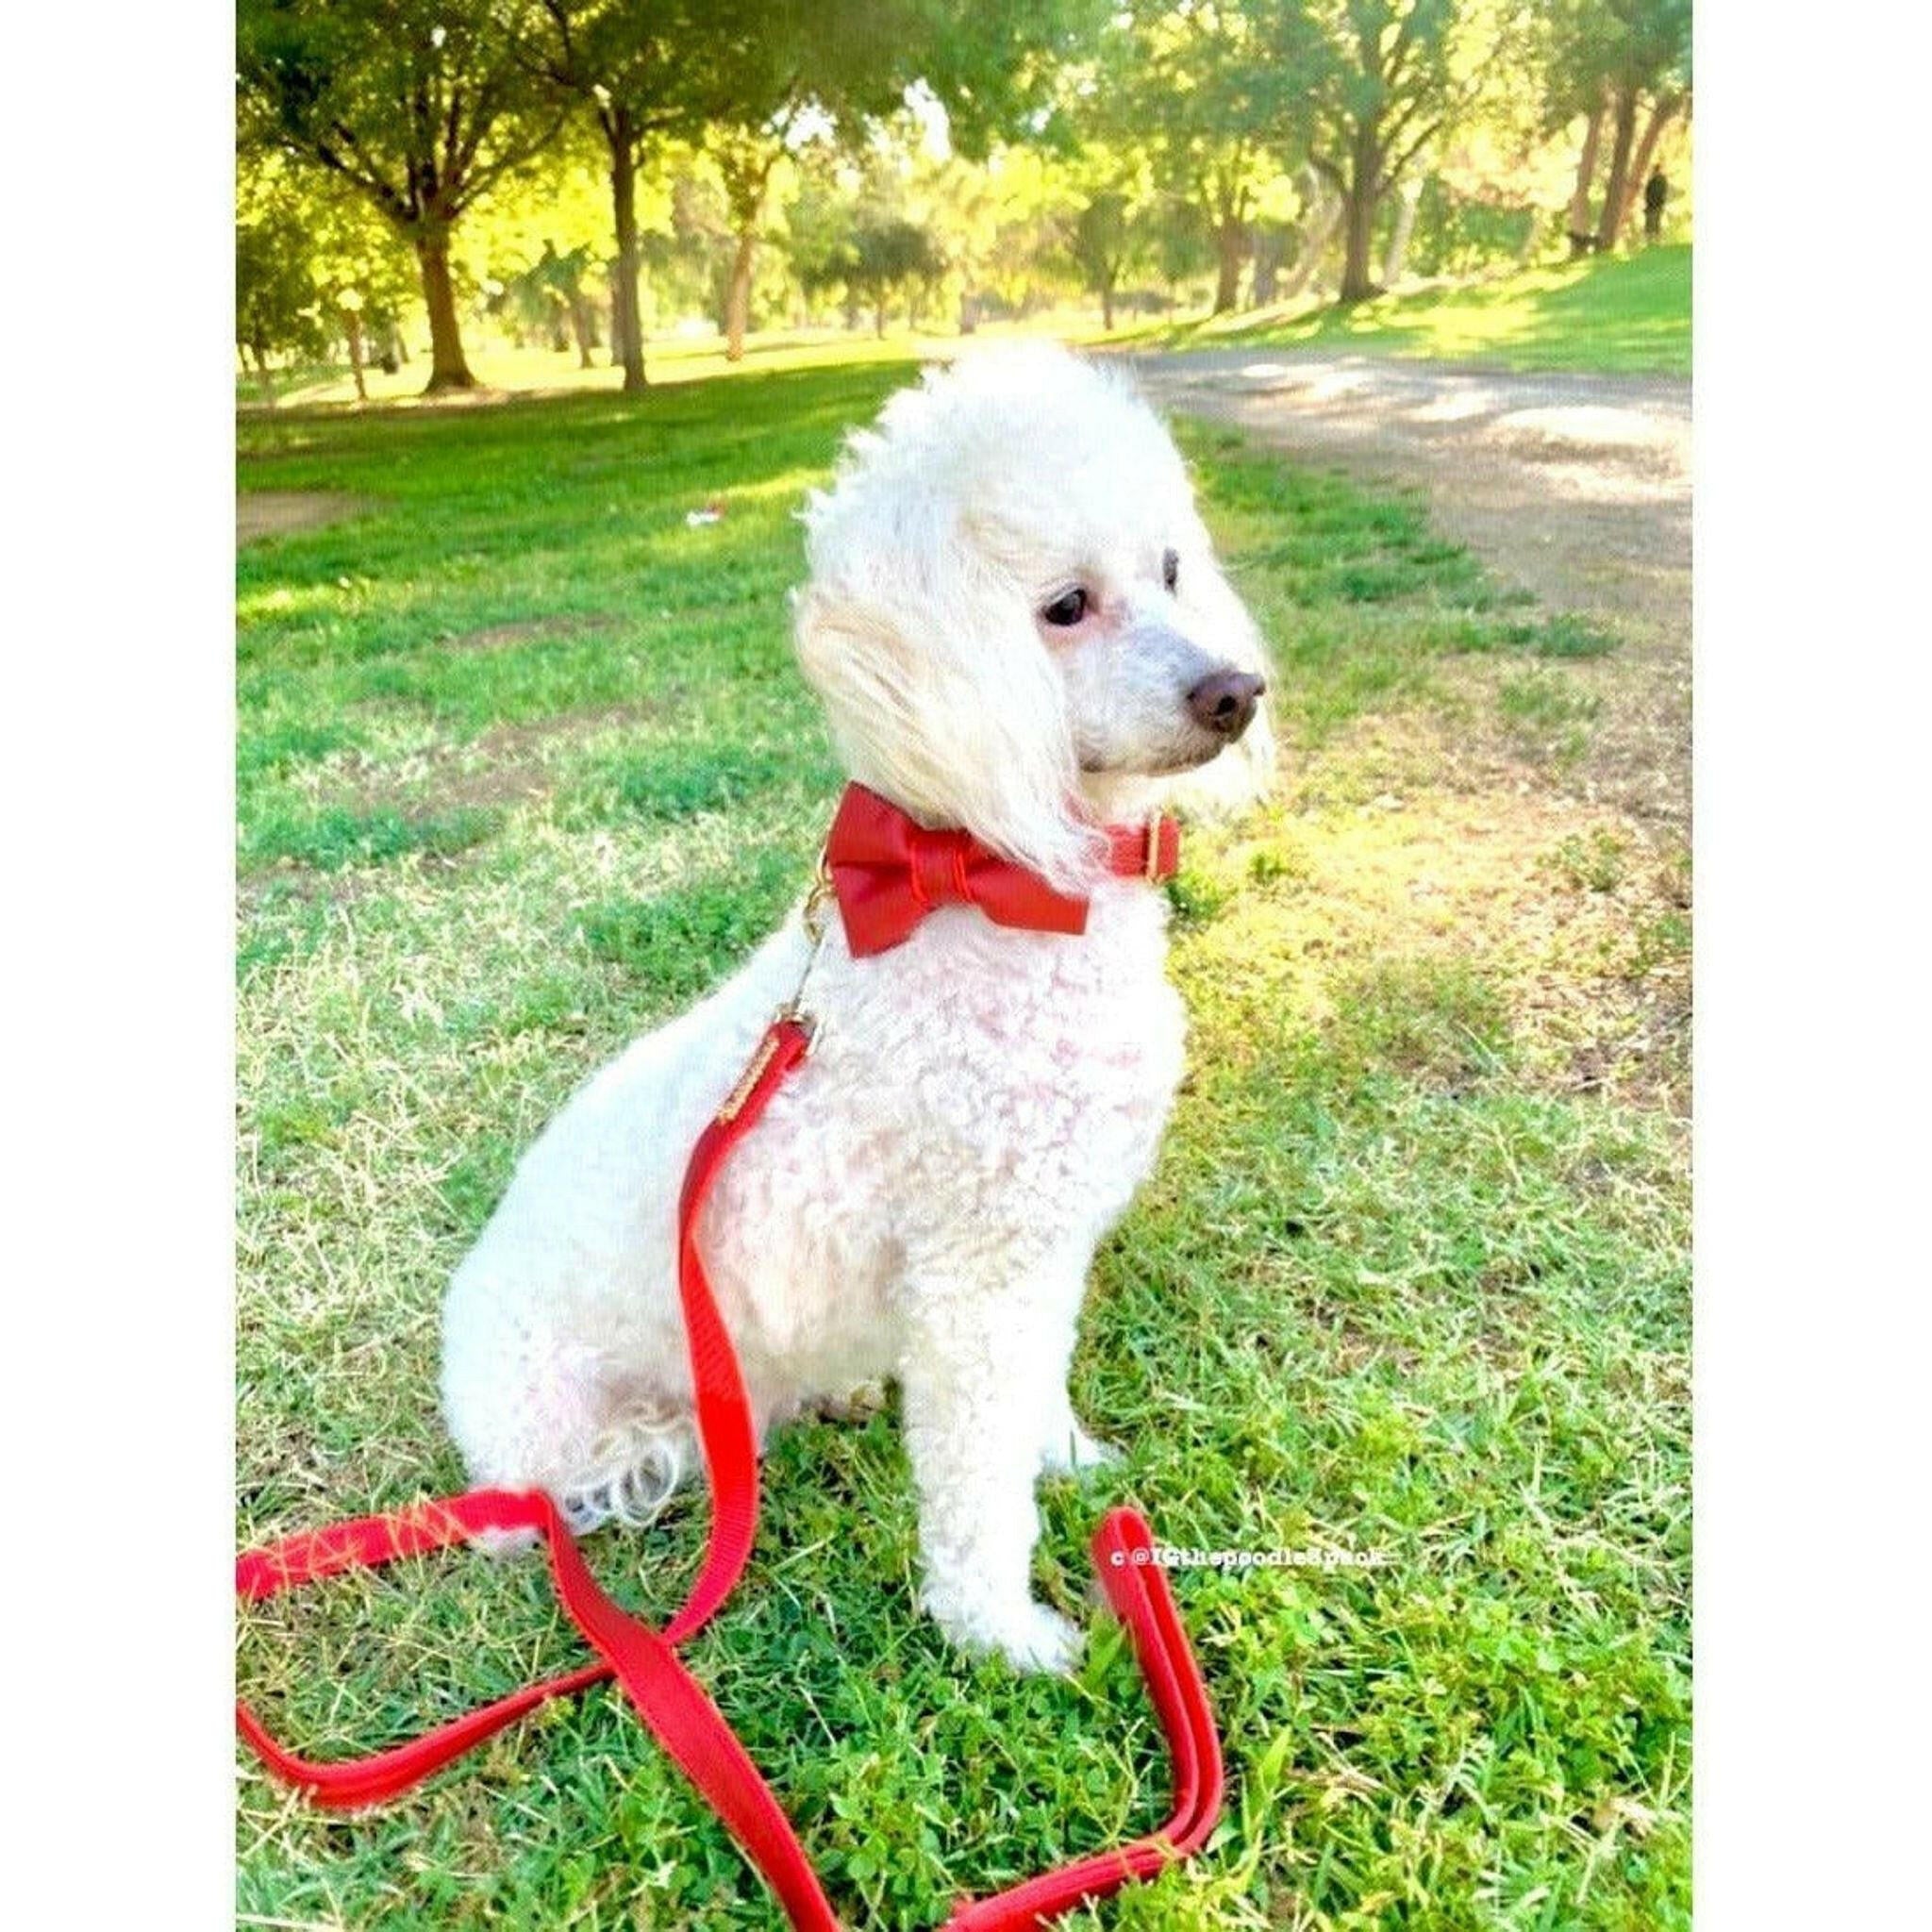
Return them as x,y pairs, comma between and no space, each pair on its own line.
1031,1636
1076,1452
1044,1641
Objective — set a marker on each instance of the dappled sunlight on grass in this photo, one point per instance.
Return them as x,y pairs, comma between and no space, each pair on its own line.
1631,314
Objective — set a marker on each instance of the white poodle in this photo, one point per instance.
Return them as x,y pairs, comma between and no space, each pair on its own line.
1018,626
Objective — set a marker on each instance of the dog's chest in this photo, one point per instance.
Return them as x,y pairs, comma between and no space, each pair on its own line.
1037,1063
975,1098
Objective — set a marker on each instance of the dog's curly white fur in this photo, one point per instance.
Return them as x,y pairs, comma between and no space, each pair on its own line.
1012,599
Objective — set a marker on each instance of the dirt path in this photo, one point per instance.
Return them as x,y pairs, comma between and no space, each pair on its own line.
281,512
1576,487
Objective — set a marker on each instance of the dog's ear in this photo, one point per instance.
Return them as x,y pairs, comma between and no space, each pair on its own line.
1219,622
934,708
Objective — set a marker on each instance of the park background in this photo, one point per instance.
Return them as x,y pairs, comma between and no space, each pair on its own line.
523,765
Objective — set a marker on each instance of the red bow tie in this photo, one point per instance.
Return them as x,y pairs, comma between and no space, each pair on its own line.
889,872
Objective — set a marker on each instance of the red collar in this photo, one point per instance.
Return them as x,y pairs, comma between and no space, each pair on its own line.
888,872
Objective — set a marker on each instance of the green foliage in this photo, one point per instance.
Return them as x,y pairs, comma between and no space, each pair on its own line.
1146,152
1106,241
1635,45
1202,91
278,305
1597,864
1457,234
882,256
417,104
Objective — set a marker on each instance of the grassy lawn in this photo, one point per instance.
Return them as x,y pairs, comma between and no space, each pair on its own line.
1628,315
524,765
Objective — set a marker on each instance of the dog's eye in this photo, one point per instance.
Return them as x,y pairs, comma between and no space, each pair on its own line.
1068,609
1171,569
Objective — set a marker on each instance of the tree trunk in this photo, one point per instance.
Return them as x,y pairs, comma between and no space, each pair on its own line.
1581,236
1230,251
1271,249
1107,307
1660,117
448,368
1405,228
627,331
1321,231
1360,199
1616,188
264,378
878,317
738,295
584,326
352,327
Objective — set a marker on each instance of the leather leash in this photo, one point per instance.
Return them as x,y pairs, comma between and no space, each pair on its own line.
645,1662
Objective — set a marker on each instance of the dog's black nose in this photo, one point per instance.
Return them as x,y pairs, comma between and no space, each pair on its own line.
1225,703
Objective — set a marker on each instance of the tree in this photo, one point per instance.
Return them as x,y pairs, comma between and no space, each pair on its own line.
1107,239
1002,224
1379,85
746,156
1607,59
1578,227
1192,86
313,259
741,72
644,71
887,254
420,106
849,64
1177,249
277,301
540,245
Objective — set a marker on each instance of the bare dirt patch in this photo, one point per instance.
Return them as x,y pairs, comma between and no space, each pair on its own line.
509,765
504,637
1576,487
261,513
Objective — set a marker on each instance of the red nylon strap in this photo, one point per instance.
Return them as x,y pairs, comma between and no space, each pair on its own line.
645,1663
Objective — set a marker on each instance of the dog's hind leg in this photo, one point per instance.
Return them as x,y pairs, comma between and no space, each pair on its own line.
532,1407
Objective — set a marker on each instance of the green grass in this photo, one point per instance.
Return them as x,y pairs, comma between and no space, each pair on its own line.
1628,315
522,764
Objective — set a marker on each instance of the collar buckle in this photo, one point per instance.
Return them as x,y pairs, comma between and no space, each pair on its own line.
1153,870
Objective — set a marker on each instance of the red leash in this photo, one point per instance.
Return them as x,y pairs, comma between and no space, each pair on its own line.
645,1662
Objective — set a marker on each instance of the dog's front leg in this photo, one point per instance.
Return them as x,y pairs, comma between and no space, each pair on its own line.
980,1369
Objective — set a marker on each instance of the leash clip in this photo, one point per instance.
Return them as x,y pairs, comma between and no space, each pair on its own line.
815,918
